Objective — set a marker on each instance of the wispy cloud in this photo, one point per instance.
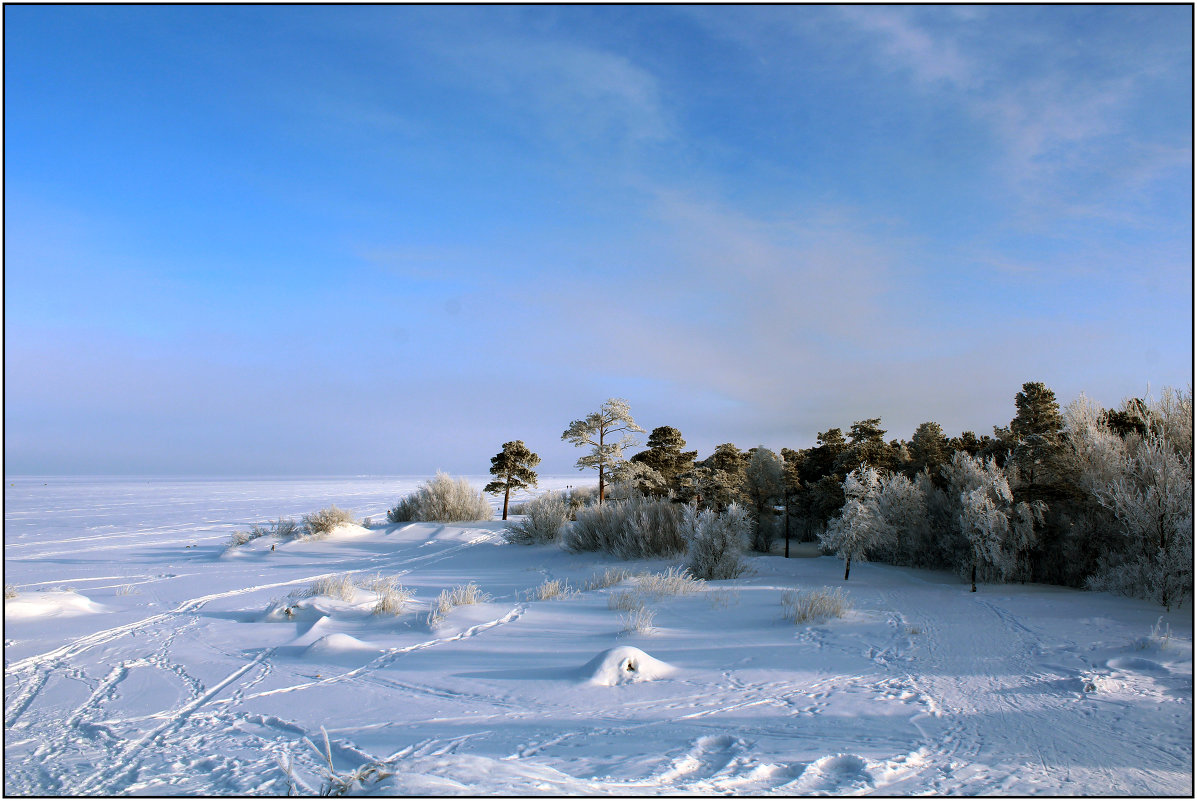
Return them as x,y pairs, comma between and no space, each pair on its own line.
931,59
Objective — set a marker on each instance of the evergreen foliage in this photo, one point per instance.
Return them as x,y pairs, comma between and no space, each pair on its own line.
666,458
513,470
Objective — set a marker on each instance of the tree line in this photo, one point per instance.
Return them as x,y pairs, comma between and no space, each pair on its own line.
1082,496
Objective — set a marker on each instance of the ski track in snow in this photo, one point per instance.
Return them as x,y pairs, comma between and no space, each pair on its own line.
958,693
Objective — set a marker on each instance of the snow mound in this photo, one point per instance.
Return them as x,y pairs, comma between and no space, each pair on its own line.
1135,664
835,775
347,531
624,665
50,603
339,644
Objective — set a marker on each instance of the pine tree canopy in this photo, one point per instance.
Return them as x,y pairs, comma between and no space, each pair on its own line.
665,454
513,468
1038,413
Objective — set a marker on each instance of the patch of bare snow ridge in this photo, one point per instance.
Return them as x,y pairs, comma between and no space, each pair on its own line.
50,603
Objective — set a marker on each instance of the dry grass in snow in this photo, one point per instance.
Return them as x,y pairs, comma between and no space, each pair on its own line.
809,606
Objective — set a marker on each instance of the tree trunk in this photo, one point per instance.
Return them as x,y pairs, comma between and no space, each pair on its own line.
847,566
974,579
787,514
506,495
602,484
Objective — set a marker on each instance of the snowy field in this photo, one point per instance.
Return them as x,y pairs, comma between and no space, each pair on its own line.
141,658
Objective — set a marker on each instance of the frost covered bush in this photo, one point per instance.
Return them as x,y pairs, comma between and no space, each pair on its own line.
580,497
636,528
392,600
10,591
283,528
461,595
638,620
342,586
608,578
674,581
805,606
544,519
553,590
442,499
716,541
319,524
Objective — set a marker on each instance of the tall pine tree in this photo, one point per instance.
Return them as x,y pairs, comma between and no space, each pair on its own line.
599,430
513,468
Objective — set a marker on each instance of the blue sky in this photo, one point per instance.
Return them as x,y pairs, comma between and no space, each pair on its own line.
333,240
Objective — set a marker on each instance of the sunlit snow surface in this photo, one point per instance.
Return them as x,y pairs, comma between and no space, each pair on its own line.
142,658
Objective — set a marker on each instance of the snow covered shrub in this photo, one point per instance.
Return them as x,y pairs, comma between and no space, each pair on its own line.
674,581
340,586
392,596
283,528
716,541
354,782
392,600
635,528
545,517
442,499
126,589
553,590
811,606
860,527
608,578
366,522
637,621
596,528
10,591
238,538
580,497
461,595
319,524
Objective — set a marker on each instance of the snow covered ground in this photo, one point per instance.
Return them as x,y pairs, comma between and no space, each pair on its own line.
142,658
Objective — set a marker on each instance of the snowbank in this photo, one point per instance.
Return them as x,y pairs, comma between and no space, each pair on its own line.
624,665
50,603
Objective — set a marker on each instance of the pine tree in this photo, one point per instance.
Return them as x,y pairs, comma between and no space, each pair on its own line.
665,455
866,445
928,449
1036,430
598,430
513,468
